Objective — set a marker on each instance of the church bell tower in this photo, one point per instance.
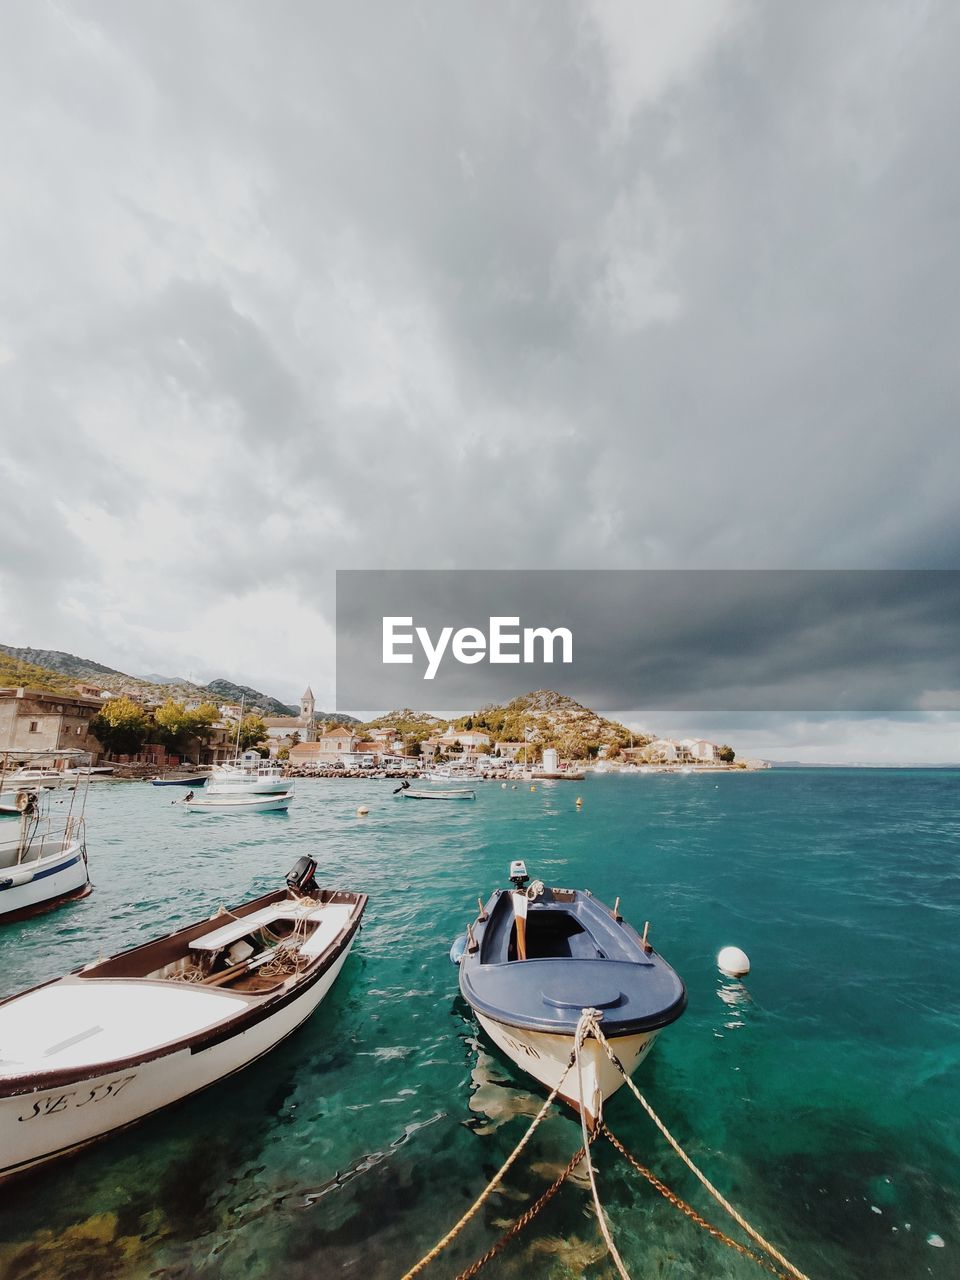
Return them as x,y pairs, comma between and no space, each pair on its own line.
307,708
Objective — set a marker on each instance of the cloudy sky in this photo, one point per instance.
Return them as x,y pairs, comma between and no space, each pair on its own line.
287,289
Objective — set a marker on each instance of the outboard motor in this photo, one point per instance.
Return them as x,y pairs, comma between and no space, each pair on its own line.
300,876
26,802
518,873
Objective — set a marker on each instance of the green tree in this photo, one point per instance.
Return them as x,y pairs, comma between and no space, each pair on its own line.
198,724
283,753
177,727
122,727
727,754
252,731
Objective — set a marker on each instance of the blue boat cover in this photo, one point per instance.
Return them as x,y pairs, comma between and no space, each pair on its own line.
578,956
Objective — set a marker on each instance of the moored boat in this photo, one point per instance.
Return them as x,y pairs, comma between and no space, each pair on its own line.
234,802
43,853
103,1047
451,793
25,775
249,774
448,793
536,958
181,780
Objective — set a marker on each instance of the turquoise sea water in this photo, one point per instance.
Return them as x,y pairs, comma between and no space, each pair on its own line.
823,1097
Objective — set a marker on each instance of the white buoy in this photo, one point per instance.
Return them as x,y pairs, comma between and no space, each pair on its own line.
362,811
503,786
733,962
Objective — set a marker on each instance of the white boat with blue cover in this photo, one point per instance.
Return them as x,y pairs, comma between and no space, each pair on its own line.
536,957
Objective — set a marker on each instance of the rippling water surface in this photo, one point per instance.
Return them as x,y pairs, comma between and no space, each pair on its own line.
823,1096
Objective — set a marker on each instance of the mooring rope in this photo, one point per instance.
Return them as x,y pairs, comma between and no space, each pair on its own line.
587,1024
688,1209
526,1217
721,1200
492,1185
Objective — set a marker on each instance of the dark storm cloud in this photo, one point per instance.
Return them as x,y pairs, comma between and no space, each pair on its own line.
544,284
843,642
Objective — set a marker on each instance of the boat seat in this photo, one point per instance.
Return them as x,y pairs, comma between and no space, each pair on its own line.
238,929
331,921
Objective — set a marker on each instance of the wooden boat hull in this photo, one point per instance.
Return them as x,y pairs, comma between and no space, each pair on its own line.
42,1125
39,884
545,1056
98,1050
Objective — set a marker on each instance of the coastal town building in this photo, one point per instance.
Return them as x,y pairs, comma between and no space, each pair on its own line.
332,743
509,750
35,720
664,751
308,754
470,741
295,729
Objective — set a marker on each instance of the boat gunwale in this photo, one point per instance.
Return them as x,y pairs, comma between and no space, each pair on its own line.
565,1025
613,1028
253,1007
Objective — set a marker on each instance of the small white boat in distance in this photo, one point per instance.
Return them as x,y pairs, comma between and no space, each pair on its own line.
234,802
45,776
249,774
448,793
99,1049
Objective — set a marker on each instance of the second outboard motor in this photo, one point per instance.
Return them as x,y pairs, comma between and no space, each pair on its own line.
300,875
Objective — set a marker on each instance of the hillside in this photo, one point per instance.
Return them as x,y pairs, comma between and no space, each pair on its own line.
545,718
408,723
227,691
55,660
15,672
551,719
54,669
